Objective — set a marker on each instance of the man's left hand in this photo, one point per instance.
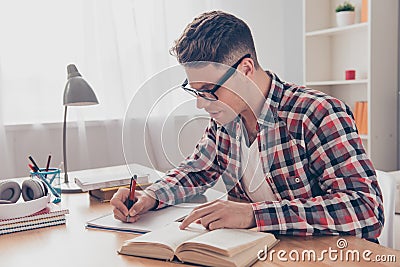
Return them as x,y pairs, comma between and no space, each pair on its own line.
221,214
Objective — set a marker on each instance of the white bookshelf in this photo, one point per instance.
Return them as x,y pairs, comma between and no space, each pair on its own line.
370,48
338,82
339,30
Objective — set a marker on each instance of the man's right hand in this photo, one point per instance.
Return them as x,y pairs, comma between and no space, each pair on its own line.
144,202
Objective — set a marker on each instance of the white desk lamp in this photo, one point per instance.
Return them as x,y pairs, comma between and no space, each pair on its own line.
77,92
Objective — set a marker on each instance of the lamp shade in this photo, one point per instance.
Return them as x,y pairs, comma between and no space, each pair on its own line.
77,91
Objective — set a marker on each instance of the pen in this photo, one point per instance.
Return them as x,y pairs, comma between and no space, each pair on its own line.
33,168
131,198
47,165
34,163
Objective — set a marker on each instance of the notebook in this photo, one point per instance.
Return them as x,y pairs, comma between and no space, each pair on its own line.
148,221
51,215
50,211
153,220
40,223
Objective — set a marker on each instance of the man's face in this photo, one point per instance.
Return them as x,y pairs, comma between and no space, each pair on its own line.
231,97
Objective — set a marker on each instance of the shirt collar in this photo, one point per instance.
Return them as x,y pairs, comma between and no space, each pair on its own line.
269,112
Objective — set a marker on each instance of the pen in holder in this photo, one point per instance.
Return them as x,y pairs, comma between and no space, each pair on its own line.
51,178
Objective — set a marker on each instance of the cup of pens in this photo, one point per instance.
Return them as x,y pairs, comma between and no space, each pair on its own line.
51,177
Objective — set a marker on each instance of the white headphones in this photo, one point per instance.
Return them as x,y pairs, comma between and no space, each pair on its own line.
10,191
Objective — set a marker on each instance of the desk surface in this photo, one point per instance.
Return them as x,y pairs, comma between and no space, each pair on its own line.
73,245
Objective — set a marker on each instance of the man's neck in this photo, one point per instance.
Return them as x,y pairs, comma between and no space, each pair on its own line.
263,84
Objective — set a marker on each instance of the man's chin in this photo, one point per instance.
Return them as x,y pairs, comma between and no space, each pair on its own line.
221,121
223,117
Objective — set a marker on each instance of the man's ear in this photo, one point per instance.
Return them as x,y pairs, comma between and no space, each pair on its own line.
247,67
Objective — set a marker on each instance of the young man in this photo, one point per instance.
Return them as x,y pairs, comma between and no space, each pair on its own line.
291,155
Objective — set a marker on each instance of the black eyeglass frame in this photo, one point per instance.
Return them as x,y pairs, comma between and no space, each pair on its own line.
220,82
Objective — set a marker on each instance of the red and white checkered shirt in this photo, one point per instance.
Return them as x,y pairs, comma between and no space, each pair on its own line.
312,157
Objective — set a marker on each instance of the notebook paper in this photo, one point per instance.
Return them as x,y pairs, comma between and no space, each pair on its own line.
148,222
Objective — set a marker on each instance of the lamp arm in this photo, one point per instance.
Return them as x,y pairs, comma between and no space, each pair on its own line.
65,146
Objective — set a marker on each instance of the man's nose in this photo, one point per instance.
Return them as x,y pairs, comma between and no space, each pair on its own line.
201,102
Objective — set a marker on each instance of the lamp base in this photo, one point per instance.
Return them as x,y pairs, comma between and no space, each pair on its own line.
70,187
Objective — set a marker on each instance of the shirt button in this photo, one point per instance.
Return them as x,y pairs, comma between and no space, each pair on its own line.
237,137
297,180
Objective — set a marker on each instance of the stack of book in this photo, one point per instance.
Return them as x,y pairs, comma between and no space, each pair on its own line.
105,194
108,178
49,216
102,183
361,116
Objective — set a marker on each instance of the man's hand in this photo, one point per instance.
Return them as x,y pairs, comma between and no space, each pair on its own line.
143,203
222,214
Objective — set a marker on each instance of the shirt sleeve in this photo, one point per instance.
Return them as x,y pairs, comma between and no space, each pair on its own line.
193,176
351,202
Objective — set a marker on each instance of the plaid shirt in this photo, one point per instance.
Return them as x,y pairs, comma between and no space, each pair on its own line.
312,157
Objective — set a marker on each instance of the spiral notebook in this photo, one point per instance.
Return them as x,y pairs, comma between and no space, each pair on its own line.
51,215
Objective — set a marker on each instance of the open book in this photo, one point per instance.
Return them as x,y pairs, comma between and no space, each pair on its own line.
222,247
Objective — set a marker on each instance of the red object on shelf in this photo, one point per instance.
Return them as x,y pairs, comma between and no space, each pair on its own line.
350,74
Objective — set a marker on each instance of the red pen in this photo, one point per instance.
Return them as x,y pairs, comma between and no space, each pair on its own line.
33,168
34,163
131,198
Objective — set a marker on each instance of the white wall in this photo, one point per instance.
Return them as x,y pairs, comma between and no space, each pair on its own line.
277,31
398,105
276,27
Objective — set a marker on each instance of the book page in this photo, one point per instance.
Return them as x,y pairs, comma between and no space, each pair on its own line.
228,242
170,235
246,257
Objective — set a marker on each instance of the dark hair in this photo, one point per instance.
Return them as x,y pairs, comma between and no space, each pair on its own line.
215,36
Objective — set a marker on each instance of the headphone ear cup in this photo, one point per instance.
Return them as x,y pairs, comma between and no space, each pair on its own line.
10,191
33,189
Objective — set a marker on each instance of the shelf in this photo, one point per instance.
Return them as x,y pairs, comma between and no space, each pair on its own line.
338,30
342,82
367,47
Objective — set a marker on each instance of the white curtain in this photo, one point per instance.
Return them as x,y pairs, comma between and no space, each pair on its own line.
116,46
5,152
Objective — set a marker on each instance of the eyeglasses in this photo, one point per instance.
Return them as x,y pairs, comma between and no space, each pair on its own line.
210,94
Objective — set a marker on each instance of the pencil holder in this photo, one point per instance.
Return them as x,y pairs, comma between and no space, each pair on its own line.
51,178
